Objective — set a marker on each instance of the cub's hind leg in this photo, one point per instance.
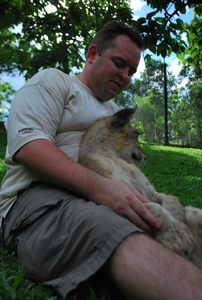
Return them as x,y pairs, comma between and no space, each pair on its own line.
172,233
193,218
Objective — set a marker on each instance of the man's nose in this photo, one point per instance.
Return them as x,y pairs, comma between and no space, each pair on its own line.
124,74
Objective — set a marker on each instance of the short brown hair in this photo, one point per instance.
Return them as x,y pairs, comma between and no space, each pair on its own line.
105,37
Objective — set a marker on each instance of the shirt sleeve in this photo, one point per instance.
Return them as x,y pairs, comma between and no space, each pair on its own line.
36,109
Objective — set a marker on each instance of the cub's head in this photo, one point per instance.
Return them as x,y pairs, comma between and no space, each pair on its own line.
123,138
112,137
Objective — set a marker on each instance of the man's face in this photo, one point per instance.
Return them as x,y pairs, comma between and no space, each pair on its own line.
111,72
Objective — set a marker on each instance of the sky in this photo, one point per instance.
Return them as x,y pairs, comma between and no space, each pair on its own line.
140,9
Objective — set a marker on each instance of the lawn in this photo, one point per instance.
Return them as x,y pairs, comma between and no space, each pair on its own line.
170,169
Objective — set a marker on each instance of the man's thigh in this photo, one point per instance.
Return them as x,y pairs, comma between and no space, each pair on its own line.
142,268
64,240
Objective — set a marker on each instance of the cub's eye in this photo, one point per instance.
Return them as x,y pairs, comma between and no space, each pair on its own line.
134,156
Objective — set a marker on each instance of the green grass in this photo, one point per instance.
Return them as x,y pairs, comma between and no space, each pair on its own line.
13,285
176,171
171,170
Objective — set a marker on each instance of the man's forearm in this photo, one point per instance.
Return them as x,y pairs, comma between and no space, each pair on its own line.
50,164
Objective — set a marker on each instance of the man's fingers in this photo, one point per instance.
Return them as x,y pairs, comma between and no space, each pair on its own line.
141,197
138,221
145,216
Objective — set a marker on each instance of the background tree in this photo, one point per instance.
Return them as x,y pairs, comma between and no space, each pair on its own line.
14,55
193,53
195,96
148,93
6,95
58,37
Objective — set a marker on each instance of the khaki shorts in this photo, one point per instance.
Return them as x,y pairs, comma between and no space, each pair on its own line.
62,240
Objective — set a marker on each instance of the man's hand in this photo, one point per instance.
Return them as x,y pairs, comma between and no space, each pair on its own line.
128,203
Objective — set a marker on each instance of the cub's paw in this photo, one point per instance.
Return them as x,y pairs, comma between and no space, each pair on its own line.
172,234
160,213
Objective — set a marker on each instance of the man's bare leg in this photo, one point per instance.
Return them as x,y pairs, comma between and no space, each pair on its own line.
144,269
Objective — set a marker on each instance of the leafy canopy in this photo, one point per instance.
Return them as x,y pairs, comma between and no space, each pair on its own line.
56,33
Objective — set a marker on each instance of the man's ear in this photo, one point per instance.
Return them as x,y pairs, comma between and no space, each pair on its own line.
92,52
122,117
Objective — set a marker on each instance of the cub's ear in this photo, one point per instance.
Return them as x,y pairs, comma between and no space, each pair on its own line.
122,117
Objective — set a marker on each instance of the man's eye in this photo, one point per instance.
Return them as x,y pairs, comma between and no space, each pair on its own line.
122,65
119,64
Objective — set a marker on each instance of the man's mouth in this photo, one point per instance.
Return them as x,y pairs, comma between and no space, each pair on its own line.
118,85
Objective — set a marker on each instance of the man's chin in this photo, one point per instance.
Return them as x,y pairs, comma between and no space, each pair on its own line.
109,95
113,94
109,98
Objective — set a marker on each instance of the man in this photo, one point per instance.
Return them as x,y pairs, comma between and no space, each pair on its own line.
66,222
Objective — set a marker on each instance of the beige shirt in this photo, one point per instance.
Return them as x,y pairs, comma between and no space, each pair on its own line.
53,106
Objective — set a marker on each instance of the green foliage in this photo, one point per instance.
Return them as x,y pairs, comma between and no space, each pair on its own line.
55,34
186,115
150,117
161,33
6,95
148,93
194,51
184,109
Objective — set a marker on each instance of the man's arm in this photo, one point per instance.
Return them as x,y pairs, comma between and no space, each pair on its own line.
51,165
